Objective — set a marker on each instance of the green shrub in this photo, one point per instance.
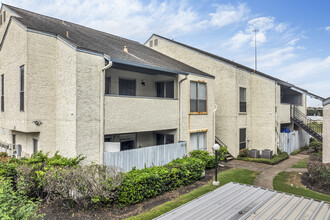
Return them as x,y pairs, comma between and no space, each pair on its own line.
243,152
319,173
222,152
316,146
139,185
204,156
276,159
15,206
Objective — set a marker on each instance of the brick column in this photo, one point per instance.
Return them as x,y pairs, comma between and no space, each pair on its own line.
326,131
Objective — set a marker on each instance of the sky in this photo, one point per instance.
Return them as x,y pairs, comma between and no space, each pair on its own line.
292,39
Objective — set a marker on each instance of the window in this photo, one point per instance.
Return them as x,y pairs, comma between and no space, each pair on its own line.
155,42
197,97
164,139
2,93
0,19
242,138
21,93
4,16
242,99
165,89
35,146
150,43
127,87
107,85
14,139
198,141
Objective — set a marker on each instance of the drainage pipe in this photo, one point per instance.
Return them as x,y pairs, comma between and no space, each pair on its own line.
180,107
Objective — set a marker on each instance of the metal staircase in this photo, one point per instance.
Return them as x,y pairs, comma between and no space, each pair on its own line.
307,124
228,157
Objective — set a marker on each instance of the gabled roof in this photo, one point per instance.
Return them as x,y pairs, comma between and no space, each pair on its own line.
248,69
326,101
84,38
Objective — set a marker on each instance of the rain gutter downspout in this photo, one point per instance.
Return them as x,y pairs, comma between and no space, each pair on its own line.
215,109
102,113
180,108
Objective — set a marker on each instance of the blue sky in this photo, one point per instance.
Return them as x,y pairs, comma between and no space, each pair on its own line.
293,38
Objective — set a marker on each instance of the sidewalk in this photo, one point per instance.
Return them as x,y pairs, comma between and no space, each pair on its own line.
268,172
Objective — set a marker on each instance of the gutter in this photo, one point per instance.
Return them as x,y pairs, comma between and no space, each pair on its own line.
215,109
180,107
102,113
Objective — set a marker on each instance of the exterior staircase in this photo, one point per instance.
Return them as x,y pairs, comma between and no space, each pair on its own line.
228,157
307,124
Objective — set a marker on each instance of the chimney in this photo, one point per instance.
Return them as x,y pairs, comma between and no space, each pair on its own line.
125,49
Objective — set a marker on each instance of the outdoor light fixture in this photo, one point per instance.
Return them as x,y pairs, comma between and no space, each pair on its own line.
216,147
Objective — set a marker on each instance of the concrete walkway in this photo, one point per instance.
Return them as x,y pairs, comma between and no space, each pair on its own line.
268,172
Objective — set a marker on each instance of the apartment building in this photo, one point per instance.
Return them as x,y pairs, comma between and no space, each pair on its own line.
72,89
253,107
326,129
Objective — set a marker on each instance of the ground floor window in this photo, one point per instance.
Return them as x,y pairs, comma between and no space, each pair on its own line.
164,139
35,146
198,141
242,138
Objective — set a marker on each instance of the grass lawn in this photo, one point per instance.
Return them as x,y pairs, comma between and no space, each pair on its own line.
300,164
232,175
282,183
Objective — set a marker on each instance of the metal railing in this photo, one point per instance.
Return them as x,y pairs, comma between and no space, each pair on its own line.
302,118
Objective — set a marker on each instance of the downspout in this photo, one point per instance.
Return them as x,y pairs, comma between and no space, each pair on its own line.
102,113
276,119
180,107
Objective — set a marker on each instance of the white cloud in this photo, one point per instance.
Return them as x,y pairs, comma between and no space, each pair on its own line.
262,24
327,28
228,14
281,27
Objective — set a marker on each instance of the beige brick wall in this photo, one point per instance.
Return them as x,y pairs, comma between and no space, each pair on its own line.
326,134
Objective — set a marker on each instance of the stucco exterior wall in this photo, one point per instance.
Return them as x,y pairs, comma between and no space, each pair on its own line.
264,113
326,134
4,24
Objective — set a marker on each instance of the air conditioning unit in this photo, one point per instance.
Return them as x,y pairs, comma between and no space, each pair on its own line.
267,154
254,153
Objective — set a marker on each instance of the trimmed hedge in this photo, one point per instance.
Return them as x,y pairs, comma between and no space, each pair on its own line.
204,156
139,185
276,159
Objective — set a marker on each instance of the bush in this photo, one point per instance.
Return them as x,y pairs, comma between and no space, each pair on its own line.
319,173
316,146
15,206
222,152
276,159
243,152
204,156
299,150
139,185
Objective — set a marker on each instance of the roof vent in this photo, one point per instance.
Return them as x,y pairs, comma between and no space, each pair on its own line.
125,49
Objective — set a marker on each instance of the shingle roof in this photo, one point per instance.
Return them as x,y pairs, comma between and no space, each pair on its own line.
237,201
216,57
100,42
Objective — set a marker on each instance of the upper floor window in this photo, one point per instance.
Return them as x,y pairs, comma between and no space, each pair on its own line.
127,87
165,89
162,139
0,19
107,85
198,97
2,93
242,99
4,16
155,42
21,92
150,43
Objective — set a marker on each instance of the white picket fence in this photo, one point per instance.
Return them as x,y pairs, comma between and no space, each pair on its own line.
145,157
290,142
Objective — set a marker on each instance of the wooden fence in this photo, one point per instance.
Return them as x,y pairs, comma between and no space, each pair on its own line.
290,142
145,157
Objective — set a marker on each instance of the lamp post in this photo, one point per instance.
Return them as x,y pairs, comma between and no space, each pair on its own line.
216,147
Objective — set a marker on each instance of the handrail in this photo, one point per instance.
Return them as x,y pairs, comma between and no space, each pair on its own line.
312,124
220,142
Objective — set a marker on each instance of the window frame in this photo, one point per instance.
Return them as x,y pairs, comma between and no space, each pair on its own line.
164,137
2,92
239,100
127,79
197,98
198,133
239,138
21,88
165,89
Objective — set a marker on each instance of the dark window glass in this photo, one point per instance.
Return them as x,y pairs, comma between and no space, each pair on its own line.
1,19
170,89
22,88
35,146
14,139
2,93
150,43
242,138
165,89
159,139
160,89
127,87
107,85
164,139
4,16
155,42
126,145
198,97
242,99
169,139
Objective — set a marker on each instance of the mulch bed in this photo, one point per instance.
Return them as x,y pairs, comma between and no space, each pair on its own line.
305,181
58,211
